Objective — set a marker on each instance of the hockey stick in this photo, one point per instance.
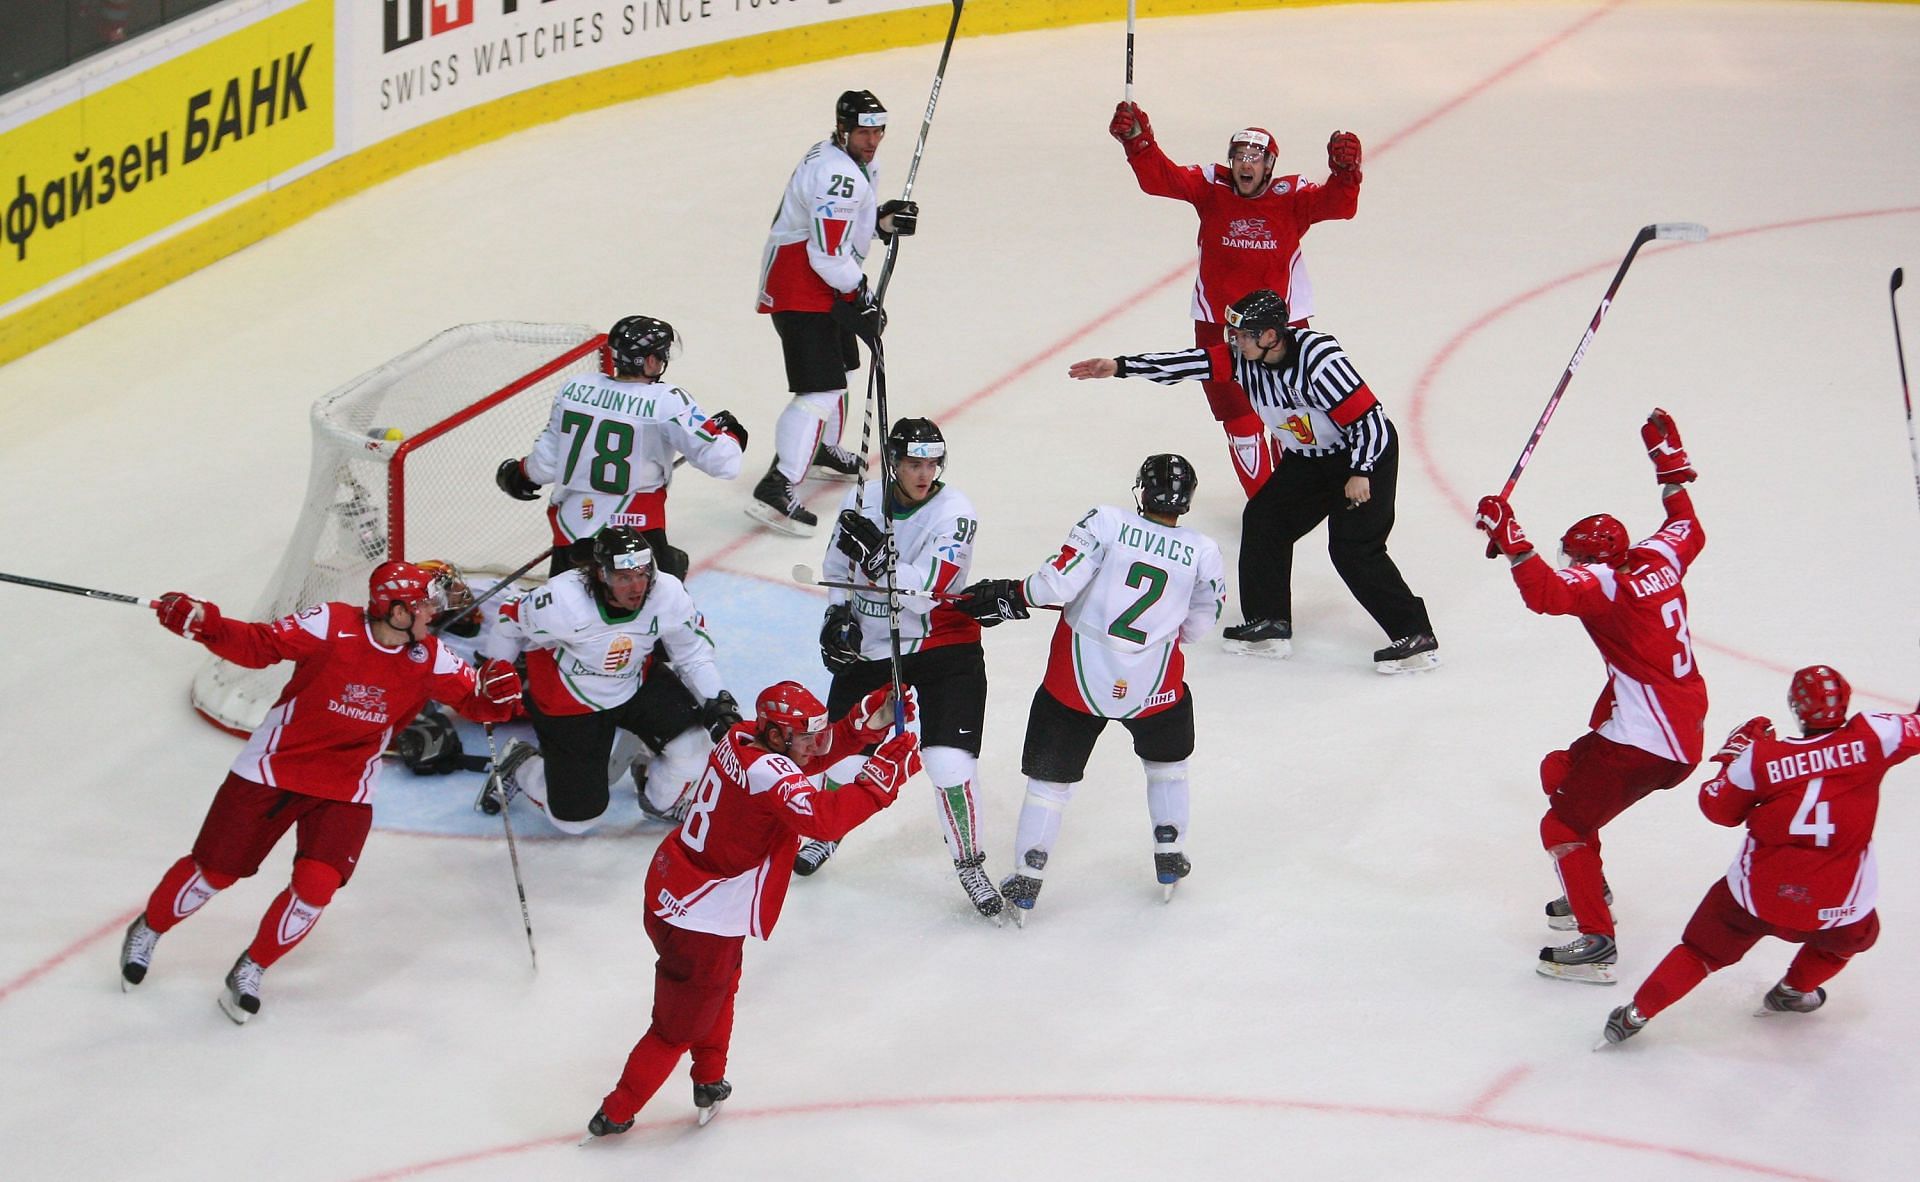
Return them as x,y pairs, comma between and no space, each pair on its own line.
1130,7
70,589
490,592
1673,231
803,574
1913,444
513,848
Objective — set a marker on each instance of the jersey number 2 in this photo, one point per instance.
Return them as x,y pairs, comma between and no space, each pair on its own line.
1156,584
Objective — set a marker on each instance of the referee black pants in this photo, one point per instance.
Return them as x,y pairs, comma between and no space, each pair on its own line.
1303,492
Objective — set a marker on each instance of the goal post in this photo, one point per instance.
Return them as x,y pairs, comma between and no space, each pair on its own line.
402,466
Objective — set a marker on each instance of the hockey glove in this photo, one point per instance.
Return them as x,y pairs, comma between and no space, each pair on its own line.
1129,125
719,713
900,217
1741,738
722,422
869,546
1343,153
894,763
1495,517
840,639
874,713
513,480
993,601
499,683
1669,455
185,616
859,314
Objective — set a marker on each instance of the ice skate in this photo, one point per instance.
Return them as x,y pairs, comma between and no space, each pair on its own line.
600,1126
836,463
812,856
775,505
240,999
1023,890
673,814
978,886
136,952
1622,1024
707,1099
1169,864
1785,999
500,787
1560,912
1260,638
1588,958
1408,654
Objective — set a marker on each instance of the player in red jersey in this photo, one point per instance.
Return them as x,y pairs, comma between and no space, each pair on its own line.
723,875
359,677
1251,223
1649,722
1806,872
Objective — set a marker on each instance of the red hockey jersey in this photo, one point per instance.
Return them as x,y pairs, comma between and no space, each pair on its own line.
1809,806
348,696
1655,698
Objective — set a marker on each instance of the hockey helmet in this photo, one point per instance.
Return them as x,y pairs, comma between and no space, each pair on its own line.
633,339
1599,539
858,108
397,583
918,439
1252,137
791,705
1257,311
621,548
1819,697
1165,484
452,594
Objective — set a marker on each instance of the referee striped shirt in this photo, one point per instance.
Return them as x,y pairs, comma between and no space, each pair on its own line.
1313,402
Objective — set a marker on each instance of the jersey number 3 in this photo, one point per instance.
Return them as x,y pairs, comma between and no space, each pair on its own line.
1674,614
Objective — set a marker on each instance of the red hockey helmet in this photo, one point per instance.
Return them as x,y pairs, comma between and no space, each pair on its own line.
791,705
1597,539
1819,697
398,582
1252,137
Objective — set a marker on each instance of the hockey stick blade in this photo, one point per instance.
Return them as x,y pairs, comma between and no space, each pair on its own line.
1680,231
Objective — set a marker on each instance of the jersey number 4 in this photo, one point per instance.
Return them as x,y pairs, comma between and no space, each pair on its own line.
1813,818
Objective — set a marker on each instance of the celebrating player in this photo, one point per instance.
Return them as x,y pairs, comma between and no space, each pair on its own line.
610,445
933,531
1343,468
1806,872
723,875
1135,586
1647,726
359,676
589,636
1251,223
812,285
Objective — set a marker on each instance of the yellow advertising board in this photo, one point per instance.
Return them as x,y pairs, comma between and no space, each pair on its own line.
138,156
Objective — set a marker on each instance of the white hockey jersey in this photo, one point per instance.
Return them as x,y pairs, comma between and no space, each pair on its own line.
609,448
1134,591
581,657
935,545
821,233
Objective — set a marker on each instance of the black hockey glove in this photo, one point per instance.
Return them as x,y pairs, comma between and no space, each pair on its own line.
513,481
993,601
722,422
905,216
719,713
869,546
840,639
860,314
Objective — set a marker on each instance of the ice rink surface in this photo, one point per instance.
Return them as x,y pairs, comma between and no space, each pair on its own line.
1344,989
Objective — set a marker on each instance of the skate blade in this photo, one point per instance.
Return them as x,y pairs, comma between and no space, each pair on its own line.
822,472
779,522
1418,663
232,1009
1273,650
1020,917
1586,974
708,1113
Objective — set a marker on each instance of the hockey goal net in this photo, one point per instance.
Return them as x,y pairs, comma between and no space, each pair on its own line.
402,464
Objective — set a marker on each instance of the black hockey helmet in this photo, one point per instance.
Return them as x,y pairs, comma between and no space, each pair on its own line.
918,439
621,548
858,108
1166,484
633,339
1258,311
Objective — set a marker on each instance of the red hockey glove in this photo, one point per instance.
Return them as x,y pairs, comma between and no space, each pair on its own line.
1664,448
499,683
1130,127
183,615
1741,738
1495,517
874,712
1343,153
894,763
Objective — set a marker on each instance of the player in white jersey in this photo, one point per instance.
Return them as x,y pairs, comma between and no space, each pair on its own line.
932,533
812,284
611,441
1135,587
589,636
